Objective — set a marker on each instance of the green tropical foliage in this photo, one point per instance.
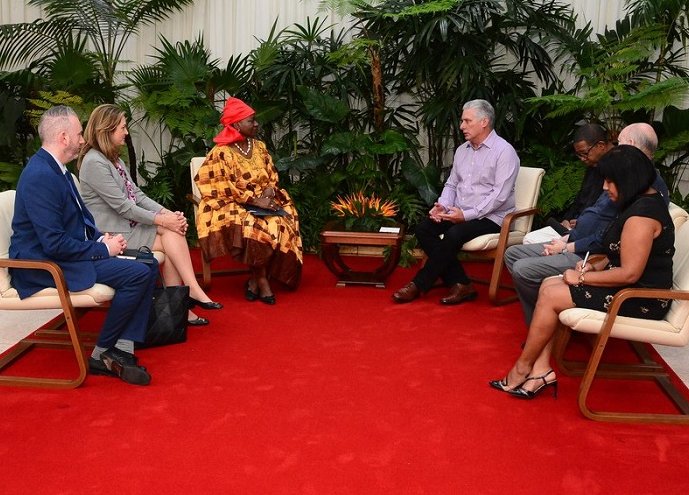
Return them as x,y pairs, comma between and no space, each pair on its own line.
78,48
372,107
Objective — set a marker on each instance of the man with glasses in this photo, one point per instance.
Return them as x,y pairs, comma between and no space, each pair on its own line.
591,142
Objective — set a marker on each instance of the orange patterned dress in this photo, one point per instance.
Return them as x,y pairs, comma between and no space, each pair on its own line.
227,180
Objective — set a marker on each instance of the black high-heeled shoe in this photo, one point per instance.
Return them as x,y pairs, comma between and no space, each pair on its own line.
522,393
501,384
205,305
249,295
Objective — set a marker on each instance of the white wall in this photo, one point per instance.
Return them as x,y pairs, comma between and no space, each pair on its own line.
228,26
232,27
600,13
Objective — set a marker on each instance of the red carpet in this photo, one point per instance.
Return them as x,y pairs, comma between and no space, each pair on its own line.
332,391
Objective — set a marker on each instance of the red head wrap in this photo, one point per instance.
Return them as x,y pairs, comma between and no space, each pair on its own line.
234,111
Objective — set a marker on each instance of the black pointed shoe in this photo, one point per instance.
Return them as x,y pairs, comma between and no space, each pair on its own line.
205,305
249,295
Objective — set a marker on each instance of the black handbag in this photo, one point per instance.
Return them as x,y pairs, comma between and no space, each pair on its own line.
167,323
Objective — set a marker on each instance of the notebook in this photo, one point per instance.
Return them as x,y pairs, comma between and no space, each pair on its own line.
257,211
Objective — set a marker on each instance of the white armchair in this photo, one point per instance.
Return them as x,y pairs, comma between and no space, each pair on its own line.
515,226
51,298
673,330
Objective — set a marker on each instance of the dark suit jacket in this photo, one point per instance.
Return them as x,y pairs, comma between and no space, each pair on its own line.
49,225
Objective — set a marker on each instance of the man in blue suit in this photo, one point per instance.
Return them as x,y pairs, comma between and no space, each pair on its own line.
51,222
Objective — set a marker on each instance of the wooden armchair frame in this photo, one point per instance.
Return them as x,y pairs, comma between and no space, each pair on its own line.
647,368
527,191
496,255
60,339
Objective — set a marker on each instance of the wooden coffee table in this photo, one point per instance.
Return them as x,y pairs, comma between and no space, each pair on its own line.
331,241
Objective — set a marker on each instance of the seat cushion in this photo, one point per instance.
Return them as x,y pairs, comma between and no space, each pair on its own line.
48,298
490,241
637,329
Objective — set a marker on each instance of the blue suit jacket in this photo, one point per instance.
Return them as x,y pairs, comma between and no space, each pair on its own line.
49,224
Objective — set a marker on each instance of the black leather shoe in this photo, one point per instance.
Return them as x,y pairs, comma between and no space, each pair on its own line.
205,305
125,356
97,367
198,322
123,365
249,295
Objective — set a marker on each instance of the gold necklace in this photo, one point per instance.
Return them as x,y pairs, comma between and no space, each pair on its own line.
248,148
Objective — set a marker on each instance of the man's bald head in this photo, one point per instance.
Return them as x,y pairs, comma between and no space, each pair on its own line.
640,135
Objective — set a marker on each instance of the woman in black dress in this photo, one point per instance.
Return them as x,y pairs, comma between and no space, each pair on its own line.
639,245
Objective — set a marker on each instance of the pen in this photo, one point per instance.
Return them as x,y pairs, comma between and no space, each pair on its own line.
586,258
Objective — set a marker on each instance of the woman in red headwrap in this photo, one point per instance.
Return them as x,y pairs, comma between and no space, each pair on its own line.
243,212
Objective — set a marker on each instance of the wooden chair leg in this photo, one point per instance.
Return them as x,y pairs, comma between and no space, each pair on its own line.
72,341
647,369
29,343
206,272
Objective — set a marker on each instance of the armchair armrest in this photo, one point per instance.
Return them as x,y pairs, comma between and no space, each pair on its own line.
507,223
48,266
641,293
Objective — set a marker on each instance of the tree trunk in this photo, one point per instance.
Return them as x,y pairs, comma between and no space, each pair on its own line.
131,153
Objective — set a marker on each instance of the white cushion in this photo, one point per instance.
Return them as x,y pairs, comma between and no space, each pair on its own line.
490,241
49,299
194,167
637,329
526,191
6,214
678,215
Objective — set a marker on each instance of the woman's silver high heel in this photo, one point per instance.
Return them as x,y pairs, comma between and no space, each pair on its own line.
522,393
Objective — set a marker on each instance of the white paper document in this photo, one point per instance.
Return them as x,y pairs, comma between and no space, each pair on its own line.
546,234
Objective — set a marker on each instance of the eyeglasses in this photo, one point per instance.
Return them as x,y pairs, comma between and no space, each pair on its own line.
584,155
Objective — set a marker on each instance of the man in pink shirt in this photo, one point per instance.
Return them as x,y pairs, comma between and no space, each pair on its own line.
477,196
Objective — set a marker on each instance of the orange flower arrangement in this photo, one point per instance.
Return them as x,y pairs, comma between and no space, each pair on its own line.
364,213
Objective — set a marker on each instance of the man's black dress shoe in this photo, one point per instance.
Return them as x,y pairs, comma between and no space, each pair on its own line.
97,367
123,365
205,305
198,322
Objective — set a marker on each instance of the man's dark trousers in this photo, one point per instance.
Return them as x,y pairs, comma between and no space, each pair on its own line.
442,259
